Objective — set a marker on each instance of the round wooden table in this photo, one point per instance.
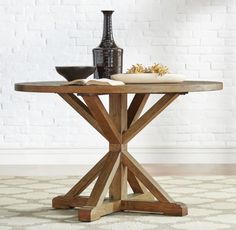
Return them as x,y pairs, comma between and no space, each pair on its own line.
119,125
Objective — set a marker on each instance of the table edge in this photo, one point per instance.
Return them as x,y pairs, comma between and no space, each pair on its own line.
129,88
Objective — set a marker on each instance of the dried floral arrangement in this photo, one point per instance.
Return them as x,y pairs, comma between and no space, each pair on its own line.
156,68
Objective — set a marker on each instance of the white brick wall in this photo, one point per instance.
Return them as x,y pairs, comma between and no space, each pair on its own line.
193,37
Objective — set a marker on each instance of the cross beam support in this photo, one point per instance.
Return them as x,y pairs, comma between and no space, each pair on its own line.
118,168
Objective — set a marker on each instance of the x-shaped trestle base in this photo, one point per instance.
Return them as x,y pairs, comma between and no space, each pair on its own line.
118,168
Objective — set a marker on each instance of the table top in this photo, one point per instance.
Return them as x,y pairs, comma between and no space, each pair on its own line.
58,87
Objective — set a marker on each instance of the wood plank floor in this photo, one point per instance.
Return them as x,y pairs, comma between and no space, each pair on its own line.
153,169
191,169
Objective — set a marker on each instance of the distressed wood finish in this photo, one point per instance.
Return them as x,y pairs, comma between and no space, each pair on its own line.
135,184
118,112
118,168
156,109
104,180
172,209
82,109
66,202
87,179
87,213
58,87
145,178
136,107
103,118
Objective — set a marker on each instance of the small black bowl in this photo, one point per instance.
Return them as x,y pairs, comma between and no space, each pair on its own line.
71,73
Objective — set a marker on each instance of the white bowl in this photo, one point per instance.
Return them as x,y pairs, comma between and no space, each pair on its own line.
148,78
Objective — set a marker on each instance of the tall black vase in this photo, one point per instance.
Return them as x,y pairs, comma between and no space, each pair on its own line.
107,57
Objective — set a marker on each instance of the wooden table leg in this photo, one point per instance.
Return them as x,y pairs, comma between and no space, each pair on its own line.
118,168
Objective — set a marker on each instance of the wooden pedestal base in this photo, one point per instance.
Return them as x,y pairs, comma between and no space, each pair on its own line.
148,196
118,168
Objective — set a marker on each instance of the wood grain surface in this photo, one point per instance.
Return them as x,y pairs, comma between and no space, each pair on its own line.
58,87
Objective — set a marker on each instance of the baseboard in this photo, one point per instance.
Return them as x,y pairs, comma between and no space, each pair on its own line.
53,156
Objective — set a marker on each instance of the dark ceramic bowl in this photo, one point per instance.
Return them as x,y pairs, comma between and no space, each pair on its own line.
71,73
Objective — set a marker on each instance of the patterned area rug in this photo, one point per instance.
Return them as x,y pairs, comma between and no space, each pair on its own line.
26,204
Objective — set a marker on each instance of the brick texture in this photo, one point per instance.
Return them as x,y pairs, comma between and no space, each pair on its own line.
193,37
